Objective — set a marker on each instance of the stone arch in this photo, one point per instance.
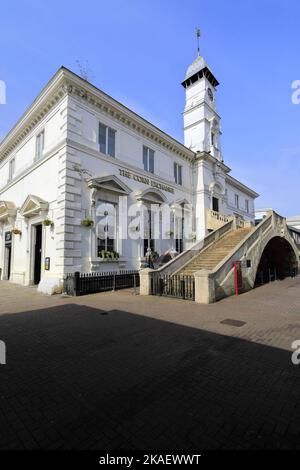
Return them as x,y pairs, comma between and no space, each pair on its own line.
216,189
151,195
278,259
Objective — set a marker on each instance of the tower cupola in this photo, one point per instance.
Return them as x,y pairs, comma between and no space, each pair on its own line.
201,121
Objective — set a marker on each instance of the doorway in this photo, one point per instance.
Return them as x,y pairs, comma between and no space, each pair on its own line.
215,204
37,254
7,255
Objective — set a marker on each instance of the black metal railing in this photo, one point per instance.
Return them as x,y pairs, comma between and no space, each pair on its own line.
182,287
90,283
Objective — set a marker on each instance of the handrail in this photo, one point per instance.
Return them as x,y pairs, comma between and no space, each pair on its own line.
258,232
183,258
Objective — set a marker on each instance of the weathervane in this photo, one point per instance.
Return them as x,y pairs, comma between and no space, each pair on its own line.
198,34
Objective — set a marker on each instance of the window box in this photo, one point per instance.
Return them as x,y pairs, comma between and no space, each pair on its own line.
108,255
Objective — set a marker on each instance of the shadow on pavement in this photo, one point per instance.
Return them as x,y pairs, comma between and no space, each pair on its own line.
76,378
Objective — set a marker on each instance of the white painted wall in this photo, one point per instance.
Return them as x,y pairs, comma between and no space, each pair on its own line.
71,143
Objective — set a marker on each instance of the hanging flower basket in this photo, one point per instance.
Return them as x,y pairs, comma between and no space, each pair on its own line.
48,222
134,228
16,231
87,222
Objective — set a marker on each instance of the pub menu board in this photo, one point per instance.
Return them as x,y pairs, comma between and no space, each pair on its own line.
47,264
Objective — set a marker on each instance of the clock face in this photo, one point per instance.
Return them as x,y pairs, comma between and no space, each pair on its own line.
210,94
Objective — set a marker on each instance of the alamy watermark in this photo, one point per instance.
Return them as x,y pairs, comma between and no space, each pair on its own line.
2,353
296,354
296,94
2,92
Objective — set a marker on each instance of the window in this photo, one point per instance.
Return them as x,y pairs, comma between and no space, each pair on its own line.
106,227
11,170
148,159
39,145
107,140
178,173
236,200
247,205
212,138
215,204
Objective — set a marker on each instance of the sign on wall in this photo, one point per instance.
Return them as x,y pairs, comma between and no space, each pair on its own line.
47,264
145,180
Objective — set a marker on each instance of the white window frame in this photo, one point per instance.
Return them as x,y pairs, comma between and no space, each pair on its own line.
178,173
107,129
39,145
247,205
11,168
237,201
106,218
148,167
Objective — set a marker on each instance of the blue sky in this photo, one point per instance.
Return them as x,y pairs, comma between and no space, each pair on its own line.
138,52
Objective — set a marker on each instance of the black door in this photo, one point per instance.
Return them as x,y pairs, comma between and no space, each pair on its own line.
8,261
215,204
38,254
8,240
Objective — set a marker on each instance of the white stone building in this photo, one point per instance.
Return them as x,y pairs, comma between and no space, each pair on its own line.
77,155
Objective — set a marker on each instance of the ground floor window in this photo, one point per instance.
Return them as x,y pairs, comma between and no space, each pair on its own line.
179,229
106,244
106,227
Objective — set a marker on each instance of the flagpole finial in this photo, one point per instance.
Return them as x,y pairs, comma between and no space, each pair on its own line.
198,34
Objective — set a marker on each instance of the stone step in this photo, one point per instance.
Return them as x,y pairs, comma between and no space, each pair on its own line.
210,257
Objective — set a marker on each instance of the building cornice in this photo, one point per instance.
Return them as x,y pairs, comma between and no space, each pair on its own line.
53,92
205,156
99,100
65,82
237,184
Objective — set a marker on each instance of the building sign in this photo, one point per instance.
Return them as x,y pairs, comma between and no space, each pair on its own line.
145,180
47,264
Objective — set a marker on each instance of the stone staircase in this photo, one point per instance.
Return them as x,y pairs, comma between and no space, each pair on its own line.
211,256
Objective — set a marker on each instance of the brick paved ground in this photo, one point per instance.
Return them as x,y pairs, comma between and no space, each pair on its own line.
118,371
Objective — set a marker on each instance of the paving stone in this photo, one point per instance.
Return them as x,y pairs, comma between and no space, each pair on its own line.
153,373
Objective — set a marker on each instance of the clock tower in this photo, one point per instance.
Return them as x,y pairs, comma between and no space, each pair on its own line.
201,120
